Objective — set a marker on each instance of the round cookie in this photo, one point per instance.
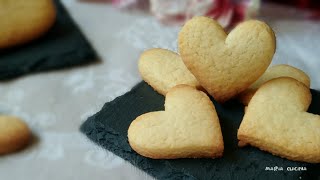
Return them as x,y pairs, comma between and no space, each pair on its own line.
22,21
14,134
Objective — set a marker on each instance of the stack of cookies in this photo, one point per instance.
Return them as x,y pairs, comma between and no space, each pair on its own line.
225,66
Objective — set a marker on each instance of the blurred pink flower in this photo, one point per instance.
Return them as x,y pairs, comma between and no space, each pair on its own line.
131,4
227,12
124,3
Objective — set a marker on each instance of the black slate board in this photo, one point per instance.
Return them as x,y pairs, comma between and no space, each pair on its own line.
109,128
63,46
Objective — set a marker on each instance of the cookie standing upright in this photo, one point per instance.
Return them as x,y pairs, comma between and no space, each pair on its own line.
276,121
226,65
163,69
22,21
14,134
188,128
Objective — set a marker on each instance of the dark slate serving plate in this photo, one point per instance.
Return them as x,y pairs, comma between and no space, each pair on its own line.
63,46
109,128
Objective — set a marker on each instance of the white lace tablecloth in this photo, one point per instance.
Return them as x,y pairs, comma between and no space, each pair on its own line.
55,104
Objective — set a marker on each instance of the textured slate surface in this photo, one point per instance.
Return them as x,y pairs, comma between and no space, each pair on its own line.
63,46
109,128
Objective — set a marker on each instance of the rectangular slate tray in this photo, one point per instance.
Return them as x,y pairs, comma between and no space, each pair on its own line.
108,128
63,46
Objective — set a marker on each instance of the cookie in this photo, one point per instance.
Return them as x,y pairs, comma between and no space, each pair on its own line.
14,134
226,65
22,21
188,128
281,70
163,69
276,121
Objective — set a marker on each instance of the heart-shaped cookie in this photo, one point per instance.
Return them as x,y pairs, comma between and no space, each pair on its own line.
226,65
276,121
280,70
188,128
163,69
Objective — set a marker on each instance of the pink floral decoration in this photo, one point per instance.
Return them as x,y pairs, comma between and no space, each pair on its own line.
227,12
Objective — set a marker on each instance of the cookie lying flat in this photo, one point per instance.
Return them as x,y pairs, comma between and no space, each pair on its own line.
226,65
188,128
163,69
14,134
276,121
22,21
281,70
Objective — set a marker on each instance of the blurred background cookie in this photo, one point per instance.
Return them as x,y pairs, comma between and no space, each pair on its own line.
14,134
23,21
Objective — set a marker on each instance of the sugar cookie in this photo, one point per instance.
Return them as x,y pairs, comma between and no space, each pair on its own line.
276,121
281,70
188,128
226,65
163,69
